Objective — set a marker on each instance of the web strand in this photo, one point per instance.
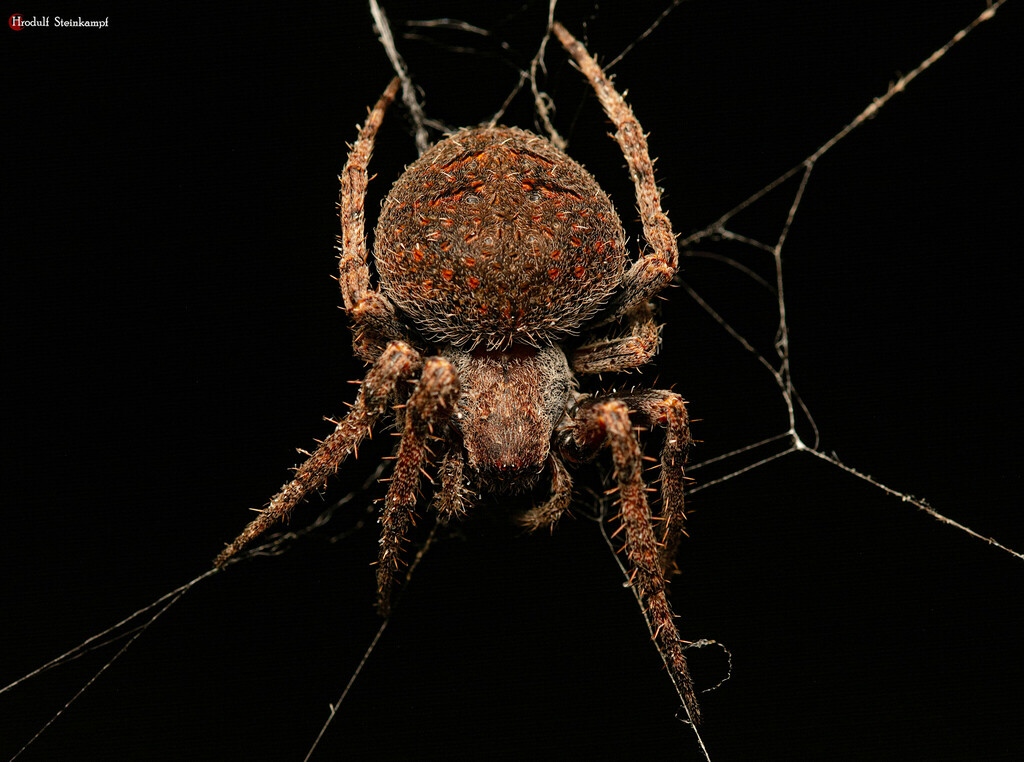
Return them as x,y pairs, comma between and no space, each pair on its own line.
420,553
132,634
782,373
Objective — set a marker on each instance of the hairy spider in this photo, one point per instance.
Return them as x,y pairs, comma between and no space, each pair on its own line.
494,250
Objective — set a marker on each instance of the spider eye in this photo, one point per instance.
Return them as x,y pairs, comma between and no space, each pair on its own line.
535,196
471,198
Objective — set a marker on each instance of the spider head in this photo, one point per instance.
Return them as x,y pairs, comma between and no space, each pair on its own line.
510,403
496,237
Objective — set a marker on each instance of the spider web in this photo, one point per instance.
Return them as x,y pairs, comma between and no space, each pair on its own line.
714,337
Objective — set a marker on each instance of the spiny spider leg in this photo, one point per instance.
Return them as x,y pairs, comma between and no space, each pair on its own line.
450,501
654,270
372,312
398,362
606,423
638,347
430,404
548,513
668,409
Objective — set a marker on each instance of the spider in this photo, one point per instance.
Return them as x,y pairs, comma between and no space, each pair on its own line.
495,252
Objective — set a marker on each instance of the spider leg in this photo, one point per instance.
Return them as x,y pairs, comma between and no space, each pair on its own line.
662,408
638,347
606,423
431,403
397,363
548,513
654,270
372,313
450,501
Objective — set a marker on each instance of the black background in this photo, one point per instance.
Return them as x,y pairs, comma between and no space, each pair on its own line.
171,334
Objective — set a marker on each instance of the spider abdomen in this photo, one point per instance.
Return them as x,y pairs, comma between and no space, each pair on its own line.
496,236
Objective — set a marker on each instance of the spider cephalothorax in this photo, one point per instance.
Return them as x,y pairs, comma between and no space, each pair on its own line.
510,404
491,250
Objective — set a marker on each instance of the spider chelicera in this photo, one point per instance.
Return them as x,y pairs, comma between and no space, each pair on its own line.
495,252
